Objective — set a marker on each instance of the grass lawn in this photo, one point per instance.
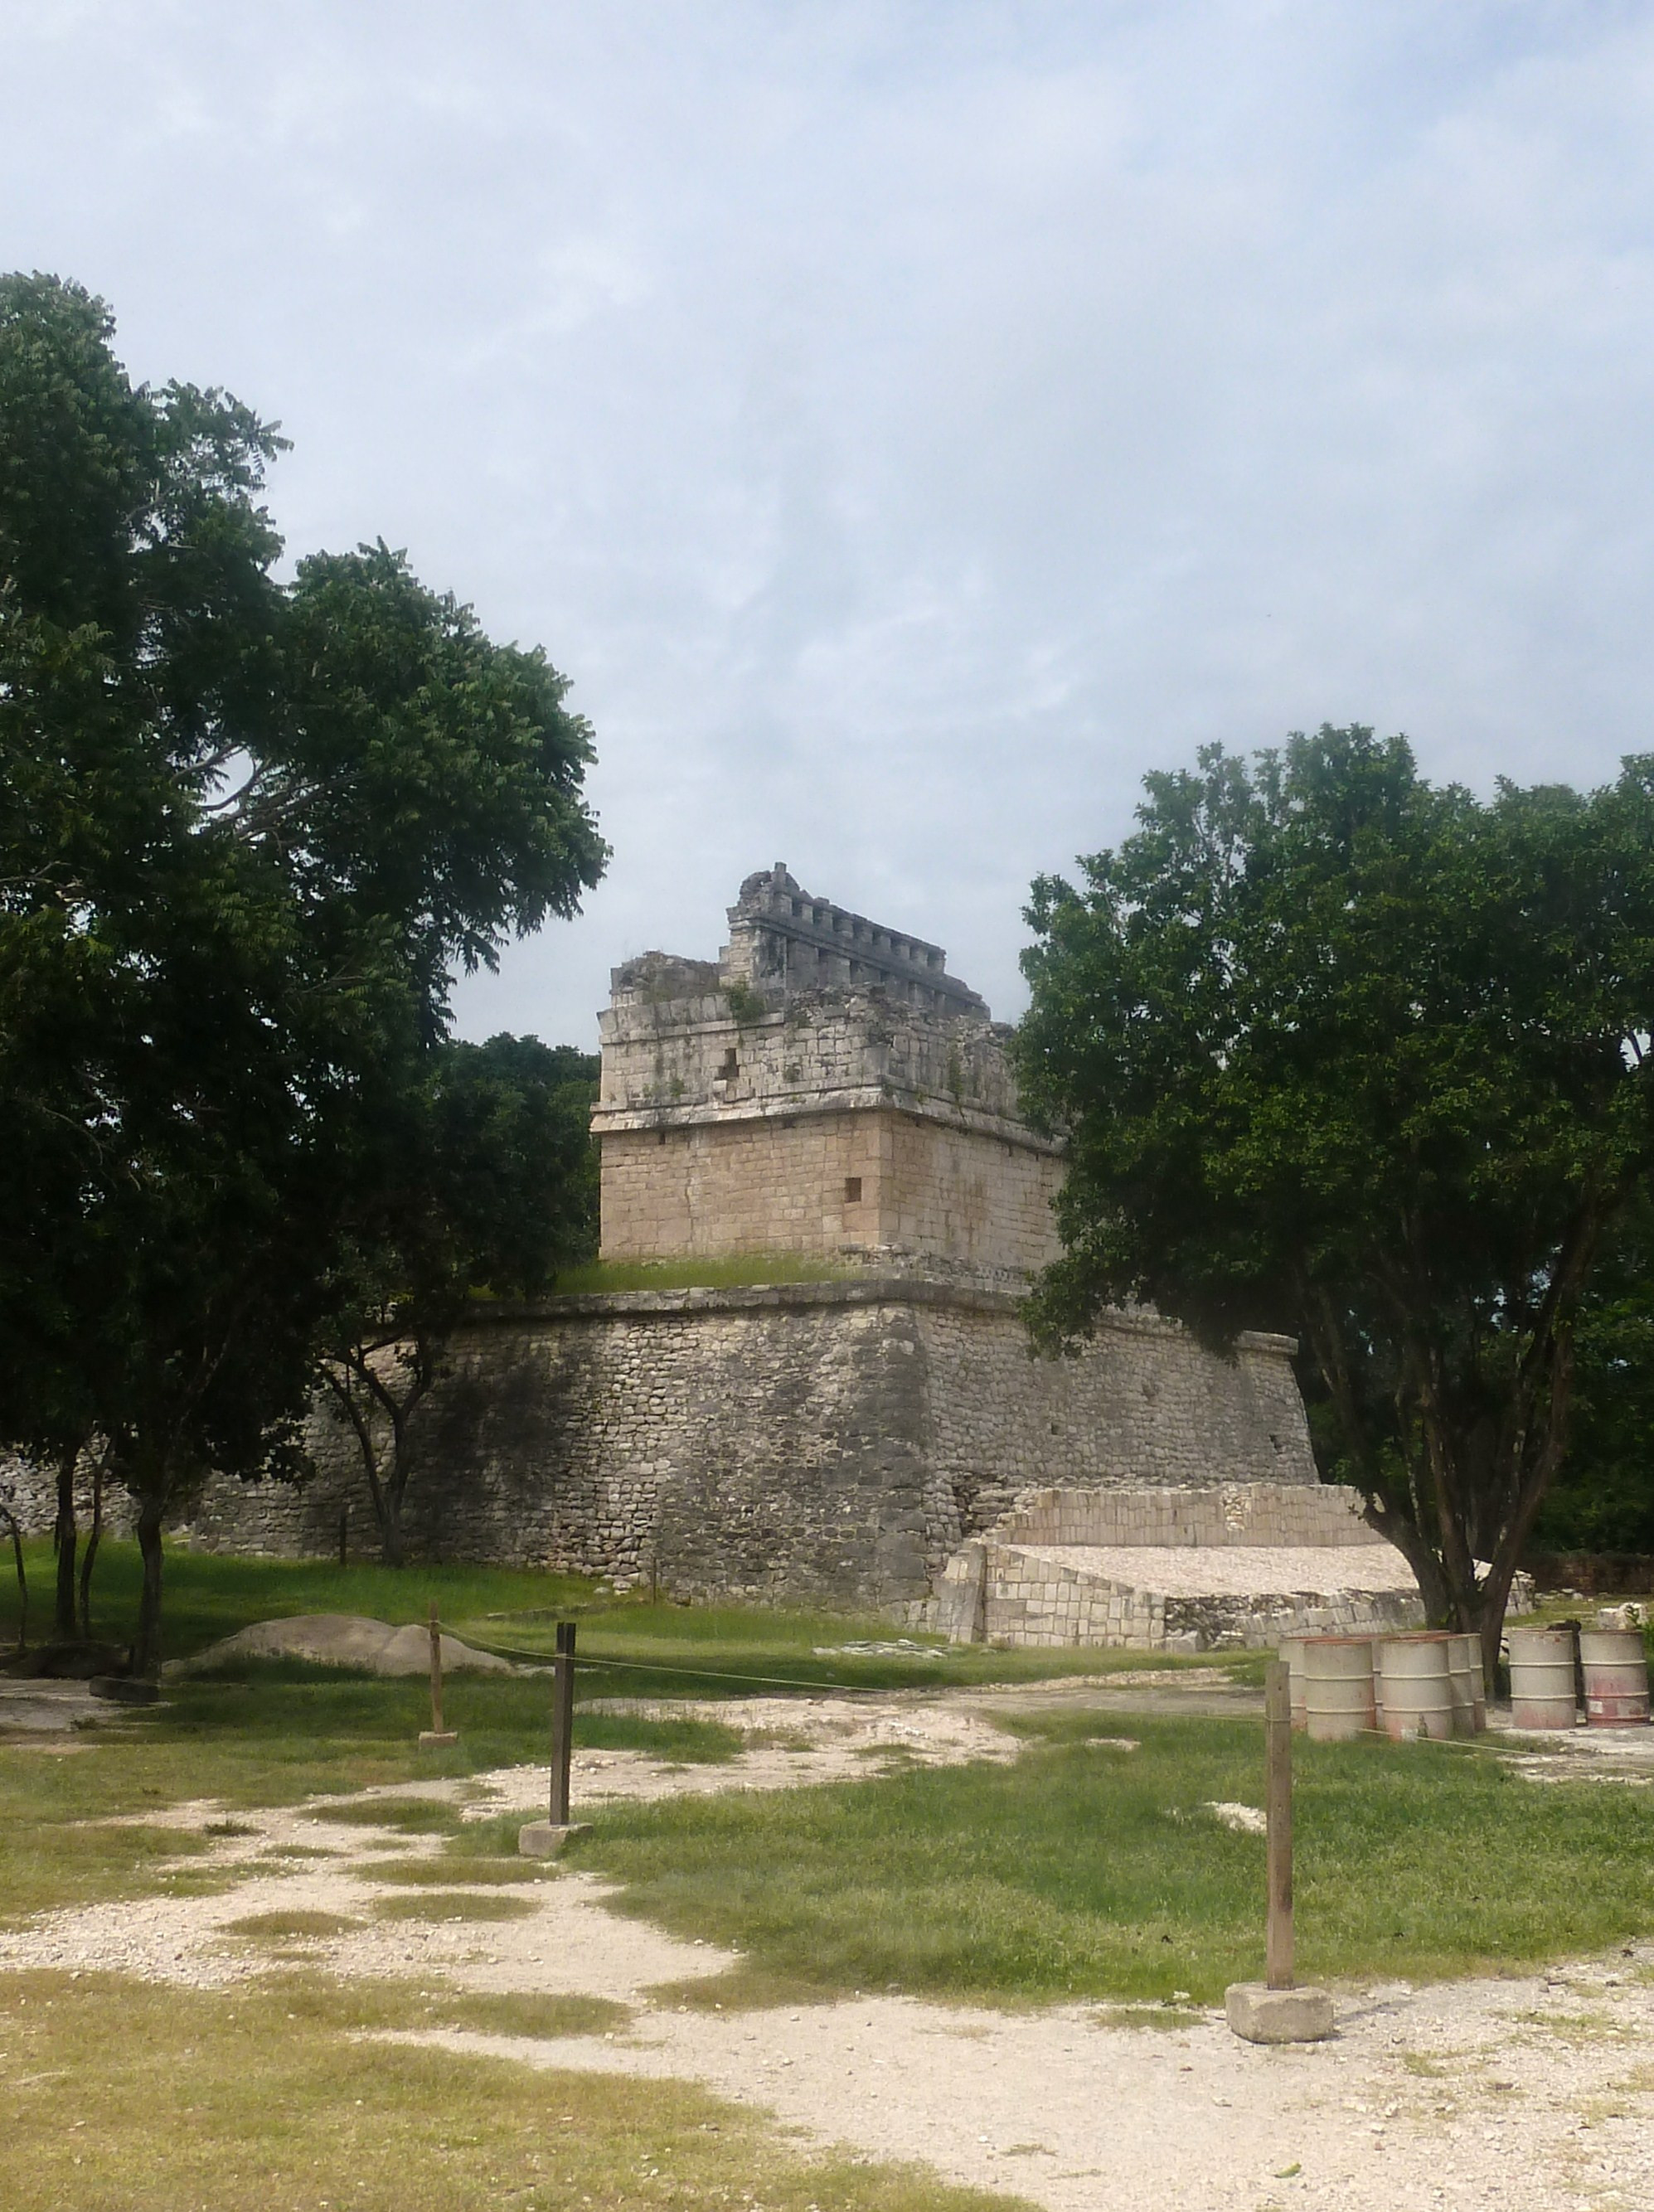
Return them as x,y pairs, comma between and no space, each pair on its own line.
279,1733
636,1648
124,2098
1085,1871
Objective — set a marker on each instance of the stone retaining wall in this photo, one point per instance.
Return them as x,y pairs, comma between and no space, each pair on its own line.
1259,1513
834,1441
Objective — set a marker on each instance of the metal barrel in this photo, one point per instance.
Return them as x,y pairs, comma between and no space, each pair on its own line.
1338,1692
1418,1686
1616,1663
1464,1679
1291,1650
1541,1678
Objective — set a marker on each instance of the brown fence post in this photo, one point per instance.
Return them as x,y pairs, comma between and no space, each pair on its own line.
436,1734
544,1839
1278,1811
1278,2009
563,1722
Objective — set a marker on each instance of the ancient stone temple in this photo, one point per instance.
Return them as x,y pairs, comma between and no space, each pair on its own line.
825,1089
871,1428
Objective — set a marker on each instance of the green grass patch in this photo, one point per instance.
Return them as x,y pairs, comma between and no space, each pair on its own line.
409,1816
261,2096
630,1646
210,1595
740,1989
280,1735
525,2012
364,2005
1081,1874
452,1904
285,1926
1161,2017
469,1867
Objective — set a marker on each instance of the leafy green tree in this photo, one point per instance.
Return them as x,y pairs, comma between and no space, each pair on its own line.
247,832
1603,1499
483,1183
1345,1053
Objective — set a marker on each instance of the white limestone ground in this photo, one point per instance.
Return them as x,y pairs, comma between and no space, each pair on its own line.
1322,1571
1534,2094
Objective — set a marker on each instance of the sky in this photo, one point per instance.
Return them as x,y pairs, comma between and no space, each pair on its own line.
906,425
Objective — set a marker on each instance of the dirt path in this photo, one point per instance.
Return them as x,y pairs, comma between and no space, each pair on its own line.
1534,2095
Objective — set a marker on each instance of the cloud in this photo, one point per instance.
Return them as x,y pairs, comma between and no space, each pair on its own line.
909,424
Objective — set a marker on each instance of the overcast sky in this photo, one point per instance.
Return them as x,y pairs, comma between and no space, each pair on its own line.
908,423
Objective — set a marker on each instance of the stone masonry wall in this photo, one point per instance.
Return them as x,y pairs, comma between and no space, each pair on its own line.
1142,1405
1235,1516
1031,1600
831,1440
819,1183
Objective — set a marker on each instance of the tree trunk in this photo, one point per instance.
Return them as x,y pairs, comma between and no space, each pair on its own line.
65,1537
391,1551
146,1651
94,1537
10,1520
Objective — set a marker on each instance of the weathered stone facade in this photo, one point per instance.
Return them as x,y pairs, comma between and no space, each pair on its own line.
832,1440
1238,1563
825,1088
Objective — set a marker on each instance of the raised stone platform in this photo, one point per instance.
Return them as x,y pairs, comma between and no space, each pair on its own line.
1190,1569
1183,1597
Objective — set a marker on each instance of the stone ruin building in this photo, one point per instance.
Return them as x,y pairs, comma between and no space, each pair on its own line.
825,1088
871,1431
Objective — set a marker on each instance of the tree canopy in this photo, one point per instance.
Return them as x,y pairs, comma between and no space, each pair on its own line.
484,1183
1345,1054
248,831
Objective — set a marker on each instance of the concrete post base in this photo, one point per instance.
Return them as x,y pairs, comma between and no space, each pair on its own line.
430,1738
1259,2015
544,1839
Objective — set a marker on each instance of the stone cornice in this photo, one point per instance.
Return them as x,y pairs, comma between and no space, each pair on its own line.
863,1098
860,1290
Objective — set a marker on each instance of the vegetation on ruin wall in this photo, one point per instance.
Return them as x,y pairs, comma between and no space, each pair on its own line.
736,1272
249,830
1348,1054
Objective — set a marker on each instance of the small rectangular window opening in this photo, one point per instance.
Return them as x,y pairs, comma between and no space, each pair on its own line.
731,1067
852,1190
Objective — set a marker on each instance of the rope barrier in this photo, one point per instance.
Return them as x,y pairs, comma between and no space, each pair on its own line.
691,1674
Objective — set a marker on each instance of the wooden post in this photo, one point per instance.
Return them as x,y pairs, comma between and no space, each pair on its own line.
563,1722
344,1536
1278,1804
436,1673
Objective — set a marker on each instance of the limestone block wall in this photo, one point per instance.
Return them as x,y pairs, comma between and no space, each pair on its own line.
29,1490
1290,1514
673,1055
1028,1600
819,1183
980,1199
743,1187
832,1441
1142,1407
